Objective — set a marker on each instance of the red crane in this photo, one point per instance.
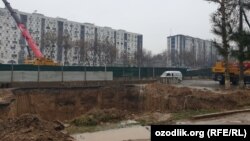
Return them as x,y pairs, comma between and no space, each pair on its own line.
32,44
39,57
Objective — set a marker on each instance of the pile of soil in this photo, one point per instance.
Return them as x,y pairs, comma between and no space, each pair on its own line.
31,128
167,98
6,97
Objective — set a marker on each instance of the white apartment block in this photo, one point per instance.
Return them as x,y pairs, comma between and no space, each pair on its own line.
187,51
61,40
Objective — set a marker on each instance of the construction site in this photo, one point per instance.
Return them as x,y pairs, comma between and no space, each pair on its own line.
42,100
89,104
116,106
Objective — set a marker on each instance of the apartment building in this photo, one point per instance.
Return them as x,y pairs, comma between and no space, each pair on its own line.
187,51
67,42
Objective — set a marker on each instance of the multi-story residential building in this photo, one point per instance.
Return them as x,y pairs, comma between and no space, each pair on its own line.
186,51
67,42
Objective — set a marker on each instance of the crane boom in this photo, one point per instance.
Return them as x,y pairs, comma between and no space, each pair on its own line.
32,44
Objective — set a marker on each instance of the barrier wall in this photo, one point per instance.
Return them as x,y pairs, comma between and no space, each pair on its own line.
53,76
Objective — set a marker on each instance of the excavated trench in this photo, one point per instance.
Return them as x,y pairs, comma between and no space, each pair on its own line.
68,103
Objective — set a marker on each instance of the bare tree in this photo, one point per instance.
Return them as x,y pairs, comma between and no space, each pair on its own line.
124,57
109,52
189,59
50,40
67,45
82,51
91,52
160,59
146,58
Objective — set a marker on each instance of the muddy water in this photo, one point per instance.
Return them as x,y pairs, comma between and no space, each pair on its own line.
129,133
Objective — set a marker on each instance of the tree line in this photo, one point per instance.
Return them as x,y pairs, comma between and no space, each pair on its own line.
231,25
100,53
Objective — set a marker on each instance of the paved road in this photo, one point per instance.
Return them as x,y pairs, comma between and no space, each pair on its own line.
201,84
209,84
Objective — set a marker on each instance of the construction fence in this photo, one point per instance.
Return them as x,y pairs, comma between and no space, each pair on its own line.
204,73
118,73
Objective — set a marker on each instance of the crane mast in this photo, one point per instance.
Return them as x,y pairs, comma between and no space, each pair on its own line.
32,44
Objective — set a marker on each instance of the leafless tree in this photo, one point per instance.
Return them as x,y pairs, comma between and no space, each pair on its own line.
50,40
124,57
109,52
67,45
90,53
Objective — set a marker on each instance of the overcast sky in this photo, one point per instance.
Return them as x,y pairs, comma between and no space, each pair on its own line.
155,19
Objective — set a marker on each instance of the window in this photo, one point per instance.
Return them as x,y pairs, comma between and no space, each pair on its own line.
13,47
14,55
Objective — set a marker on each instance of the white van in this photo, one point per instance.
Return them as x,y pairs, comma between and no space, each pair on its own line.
172,74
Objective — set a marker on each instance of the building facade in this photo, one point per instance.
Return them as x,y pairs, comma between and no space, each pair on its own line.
67,42
190,52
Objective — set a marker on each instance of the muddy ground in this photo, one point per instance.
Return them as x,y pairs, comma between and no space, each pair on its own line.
67,104
31,128
152,102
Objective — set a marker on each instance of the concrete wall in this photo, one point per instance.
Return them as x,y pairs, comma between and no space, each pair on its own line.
53,76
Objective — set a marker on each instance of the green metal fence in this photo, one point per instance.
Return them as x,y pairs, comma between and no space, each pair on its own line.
118,72
205,72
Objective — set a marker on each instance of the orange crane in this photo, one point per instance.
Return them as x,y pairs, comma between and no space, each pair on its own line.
39,57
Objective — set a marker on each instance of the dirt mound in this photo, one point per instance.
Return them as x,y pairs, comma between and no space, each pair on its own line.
31,128
6,97
66,104
170,98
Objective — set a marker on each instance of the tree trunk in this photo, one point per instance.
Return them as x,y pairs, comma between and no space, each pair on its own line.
241,49
225,44
241,76
227,75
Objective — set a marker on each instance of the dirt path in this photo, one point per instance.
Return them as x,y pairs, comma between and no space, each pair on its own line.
240,118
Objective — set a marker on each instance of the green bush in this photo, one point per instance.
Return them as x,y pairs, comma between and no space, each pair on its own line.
96,117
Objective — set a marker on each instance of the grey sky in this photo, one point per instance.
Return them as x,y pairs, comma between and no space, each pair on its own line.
155,19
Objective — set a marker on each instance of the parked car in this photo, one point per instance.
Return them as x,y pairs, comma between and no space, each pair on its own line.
173,75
